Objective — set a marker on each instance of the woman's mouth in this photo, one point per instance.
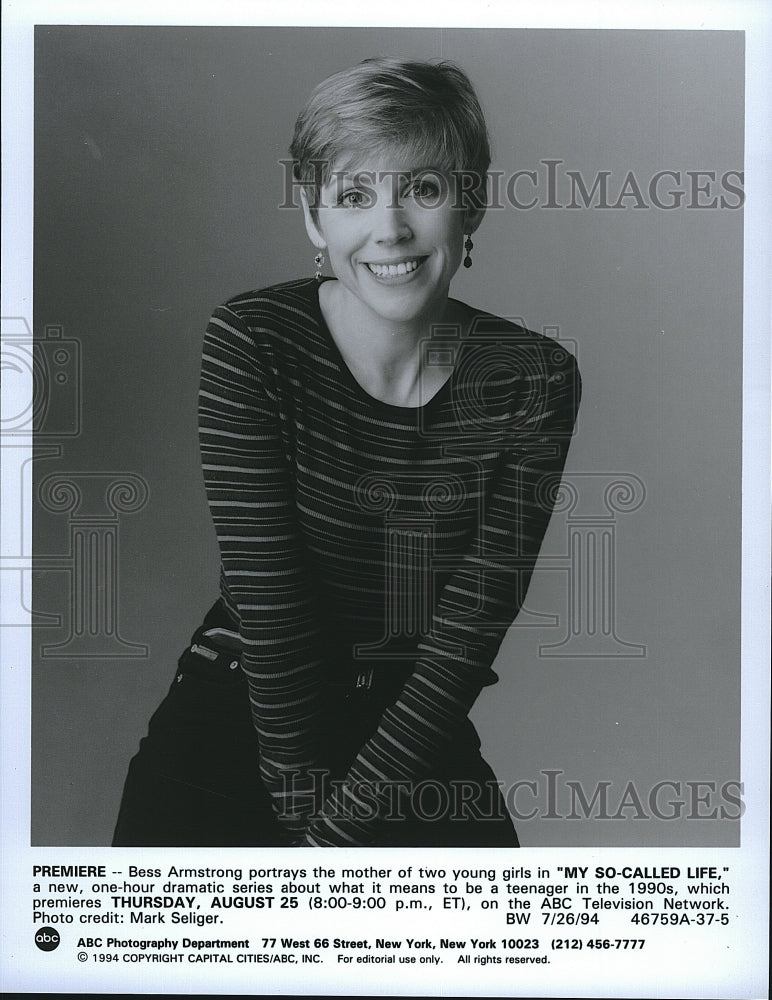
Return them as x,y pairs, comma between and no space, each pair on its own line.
396,270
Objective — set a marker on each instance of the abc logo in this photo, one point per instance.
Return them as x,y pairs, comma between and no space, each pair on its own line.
47,938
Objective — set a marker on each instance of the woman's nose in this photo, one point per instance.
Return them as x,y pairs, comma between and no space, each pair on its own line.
389,222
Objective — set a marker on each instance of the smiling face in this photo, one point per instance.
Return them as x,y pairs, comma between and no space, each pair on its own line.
393,238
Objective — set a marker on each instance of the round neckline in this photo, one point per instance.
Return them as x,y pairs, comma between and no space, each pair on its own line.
354,384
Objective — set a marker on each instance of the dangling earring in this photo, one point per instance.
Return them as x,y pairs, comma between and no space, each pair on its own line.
468,246
319,260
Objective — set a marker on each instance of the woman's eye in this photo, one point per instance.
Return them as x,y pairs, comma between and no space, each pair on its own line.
352,199
425,189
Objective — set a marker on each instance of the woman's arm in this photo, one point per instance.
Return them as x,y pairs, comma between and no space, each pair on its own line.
472,615
265,568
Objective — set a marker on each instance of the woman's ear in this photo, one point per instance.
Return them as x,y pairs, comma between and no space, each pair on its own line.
312,227
472,219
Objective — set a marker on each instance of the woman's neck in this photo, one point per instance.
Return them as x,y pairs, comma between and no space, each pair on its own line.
387,358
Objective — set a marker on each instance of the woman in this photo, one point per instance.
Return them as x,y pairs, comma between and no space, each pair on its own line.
380,462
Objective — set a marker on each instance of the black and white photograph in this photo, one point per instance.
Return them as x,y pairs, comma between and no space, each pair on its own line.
378,477
381,450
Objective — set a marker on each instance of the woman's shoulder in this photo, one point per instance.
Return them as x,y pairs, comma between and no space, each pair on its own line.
501,360
508,338
275,305
272,327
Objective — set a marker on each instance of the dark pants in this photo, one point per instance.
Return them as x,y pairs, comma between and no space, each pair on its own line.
195,781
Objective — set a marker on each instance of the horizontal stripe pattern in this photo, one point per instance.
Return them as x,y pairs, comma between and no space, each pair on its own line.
354,534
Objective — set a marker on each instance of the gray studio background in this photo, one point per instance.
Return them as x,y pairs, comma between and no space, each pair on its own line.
157,188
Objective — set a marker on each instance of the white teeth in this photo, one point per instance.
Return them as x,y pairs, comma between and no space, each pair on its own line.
393,270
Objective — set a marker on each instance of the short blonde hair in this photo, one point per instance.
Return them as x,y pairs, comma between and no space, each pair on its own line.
428,111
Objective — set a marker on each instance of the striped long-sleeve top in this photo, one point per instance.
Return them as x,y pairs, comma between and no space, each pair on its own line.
354,532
